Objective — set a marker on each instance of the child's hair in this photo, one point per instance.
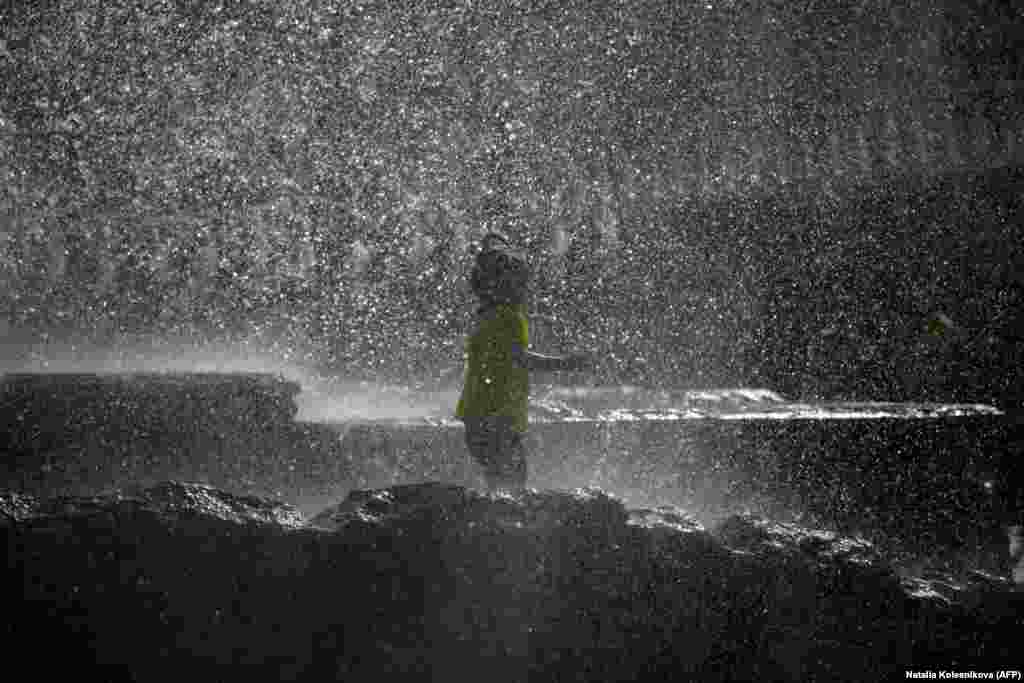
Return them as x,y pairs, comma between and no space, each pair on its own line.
500,274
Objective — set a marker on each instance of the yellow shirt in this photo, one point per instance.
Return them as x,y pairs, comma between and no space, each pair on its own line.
494,385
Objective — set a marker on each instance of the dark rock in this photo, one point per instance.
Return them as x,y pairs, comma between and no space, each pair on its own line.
435,581
78,433
37,409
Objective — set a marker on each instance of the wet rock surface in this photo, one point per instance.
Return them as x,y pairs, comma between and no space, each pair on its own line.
943,474
103,397
83,432
438,582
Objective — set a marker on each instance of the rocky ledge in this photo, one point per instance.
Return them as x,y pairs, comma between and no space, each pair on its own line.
438,582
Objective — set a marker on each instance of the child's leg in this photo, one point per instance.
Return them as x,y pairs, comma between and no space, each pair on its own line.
481,442
510,466
499,450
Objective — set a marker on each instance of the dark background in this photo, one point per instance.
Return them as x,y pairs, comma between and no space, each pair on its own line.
820,197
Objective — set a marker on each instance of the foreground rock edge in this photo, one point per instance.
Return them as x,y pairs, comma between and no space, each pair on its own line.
794,591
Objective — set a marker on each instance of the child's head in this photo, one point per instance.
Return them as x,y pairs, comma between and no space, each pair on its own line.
500,274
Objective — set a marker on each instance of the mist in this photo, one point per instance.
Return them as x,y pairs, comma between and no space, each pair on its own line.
326,398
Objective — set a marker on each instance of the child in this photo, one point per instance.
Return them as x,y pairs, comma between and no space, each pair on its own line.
493,405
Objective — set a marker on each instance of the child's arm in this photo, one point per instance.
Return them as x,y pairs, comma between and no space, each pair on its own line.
536,362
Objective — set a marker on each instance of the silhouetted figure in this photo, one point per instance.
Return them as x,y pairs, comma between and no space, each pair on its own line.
493,404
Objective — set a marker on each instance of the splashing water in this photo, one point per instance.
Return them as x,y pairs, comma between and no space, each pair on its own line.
323,398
